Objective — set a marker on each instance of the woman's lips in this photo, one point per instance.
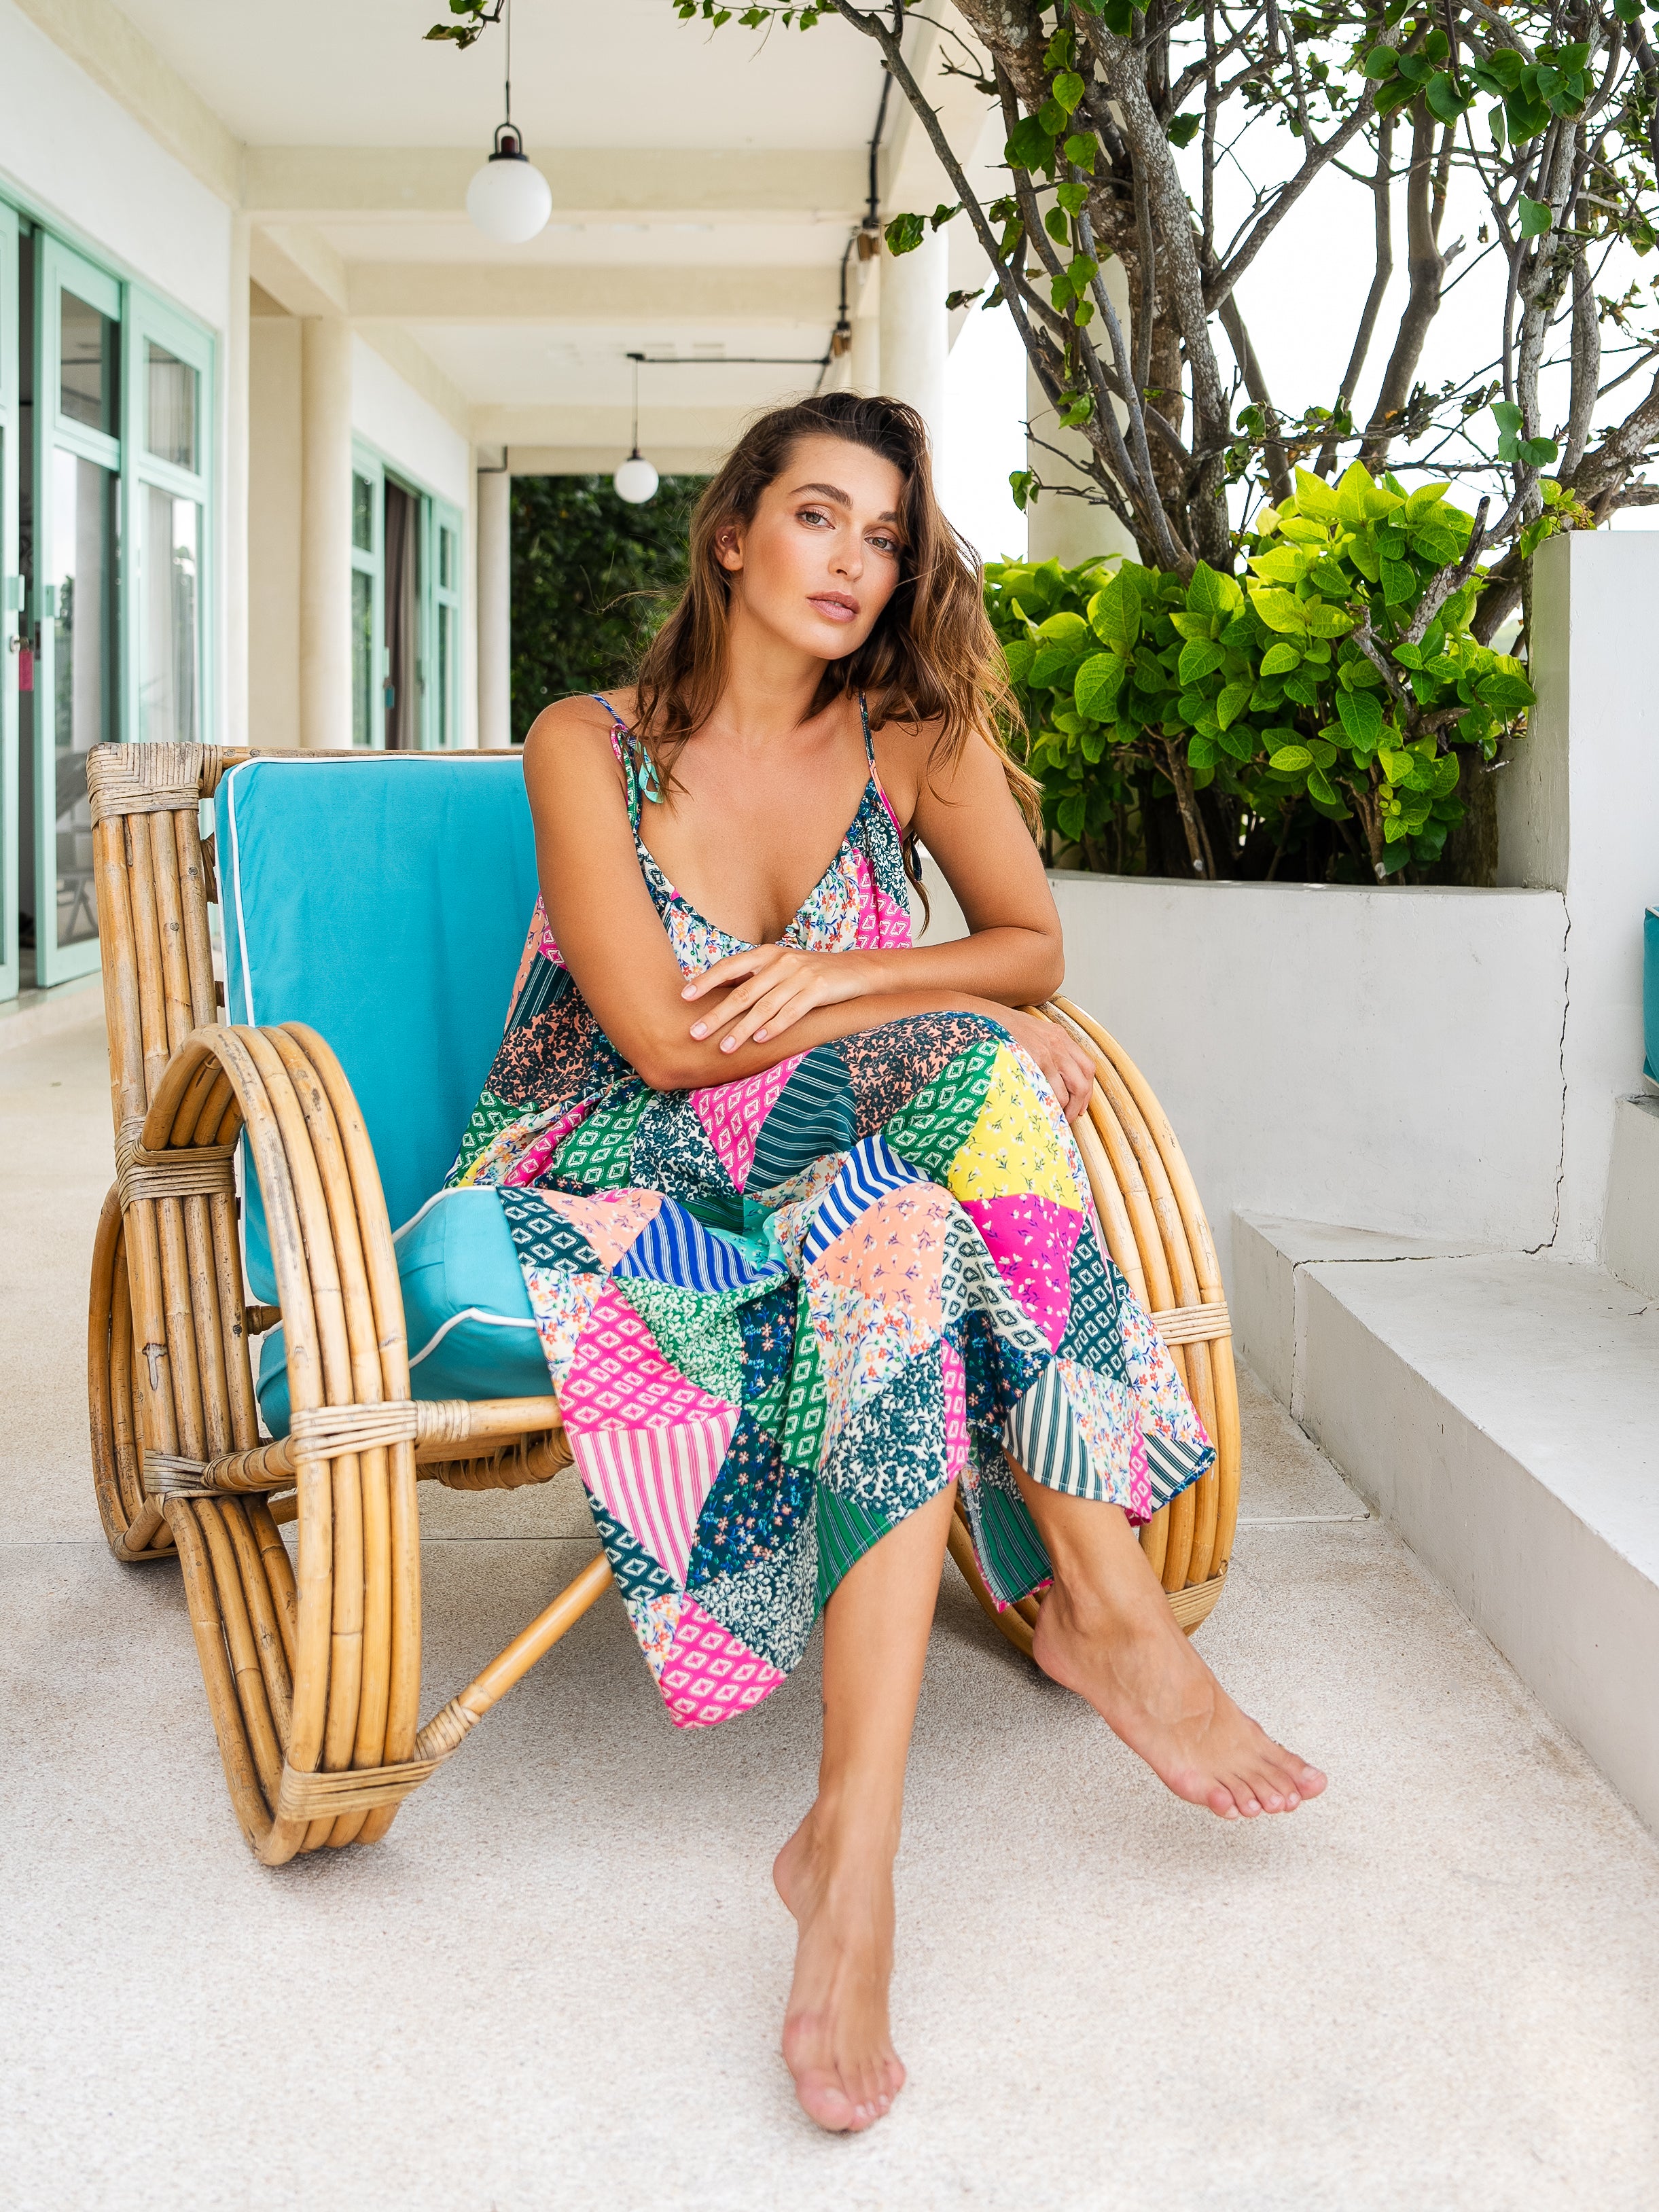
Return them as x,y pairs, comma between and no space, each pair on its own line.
833,609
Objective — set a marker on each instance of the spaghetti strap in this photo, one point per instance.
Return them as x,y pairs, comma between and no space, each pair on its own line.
869,743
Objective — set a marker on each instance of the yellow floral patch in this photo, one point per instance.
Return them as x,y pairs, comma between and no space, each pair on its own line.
1014,1147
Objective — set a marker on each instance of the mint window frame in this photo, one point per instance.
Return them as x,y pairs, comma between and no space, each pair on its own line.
366,466
439,598
11,598
149,317
59,269
139,313
434,514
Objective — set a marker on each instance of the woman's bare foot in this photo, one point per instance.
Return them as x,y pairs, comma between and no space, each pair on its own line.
836,2041
1122,1647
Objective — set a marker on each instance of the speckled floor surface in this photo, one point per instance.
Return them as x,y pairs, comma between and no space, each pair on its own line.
558,1985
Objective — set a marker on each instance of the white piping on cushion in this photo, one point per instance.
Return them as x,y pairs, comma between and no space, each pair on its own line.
467,1313
455,1190
236,883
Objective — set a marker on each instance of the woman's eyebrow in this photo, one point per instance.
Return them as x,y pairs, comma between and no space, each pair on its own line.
832,491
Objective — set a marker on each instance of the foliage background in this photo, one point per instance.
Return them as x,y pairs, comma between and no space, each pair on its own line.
593,578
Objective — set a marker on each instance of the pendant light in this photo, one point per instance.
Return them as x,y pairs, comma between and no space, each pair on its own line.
508,199
636,480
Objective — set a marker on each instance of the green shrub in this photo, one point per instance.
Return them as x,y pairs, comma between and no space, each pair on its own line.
1328,688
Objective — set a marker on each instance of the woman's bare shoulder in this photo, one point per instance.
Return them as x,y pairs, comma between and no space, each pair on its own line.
574,729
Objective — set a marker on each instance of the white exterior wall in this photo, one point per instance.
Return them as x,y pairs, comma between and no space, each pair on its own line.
393,418
1388,1059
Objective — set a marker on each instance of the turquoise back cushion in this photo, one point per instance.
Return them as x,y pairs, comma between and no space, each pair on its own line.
382,899
1651,992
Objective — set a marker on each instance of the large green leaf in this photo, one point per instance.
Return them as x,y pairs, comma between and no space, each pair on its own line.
1114,614
1211,592
1280,609
1361,716
1280,659
1200,659
1314,496
1098,682
1234,698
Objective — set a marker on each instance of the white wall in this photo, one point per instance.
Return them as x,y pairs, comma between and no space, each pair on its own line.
81,158
392,416
1388,1059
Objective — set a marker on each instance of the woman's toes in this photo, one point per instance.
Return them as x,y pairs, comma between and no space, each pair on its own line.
822,2098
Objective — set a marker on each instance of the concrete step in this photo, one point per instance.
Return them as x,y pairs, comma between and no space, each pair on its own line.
1500,1411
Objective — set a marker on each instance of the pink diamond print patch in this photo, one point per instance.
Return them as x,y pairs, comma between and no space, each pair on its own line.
619,1379
732,1112
708,1675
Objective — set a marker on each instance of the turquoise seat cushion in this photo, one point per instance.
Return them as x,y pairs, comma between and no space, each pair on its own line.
1650,993
472,1334
382,899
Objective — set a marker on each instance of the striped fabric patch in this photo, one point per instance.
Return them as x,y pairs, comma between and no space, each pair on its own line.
1010,1550
654,1480
676,1248
847,1530
868,1173
1172,1466
1043,1435
814,1114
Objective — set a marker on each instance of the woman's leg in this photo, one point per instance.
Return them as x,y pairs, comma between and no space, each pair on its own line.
836,1873
1107,1631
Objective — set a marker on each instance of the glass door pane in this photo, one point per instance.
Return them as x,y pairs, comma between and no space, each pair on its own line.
170,644
75,550
82,605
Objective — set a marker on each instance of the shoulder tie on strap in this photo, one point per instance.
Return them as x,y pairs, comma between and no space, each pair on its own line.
869,742
638,769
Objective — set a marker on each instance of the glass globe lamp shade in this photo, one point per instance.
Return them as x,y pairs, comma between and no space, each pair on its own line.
509,199
636,480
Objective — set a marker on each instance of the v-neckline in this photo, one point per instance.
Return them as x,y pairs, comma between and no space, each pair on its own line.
745,944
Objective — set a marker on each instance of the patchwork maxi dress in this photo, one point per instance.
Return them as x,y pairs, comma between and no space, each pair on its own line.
781,1313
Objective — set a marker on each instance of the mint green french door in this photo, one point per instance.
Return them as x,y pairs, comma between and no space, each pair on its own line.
11,600
79,674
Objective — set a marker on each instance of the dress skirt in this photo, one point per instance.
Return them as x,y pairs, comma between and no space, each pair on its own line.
781,1313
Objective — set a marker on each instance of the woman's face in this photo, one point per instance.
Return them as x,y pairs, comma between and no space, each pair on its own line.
820,559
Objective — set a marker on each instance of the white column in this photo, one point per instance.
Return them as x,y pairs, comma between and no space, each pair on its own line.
1059,528
233,685
325,533
494,608
915,334
867,328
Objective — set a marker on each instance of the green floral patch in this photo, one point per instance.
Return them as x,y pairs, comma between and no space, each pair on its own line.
697,1331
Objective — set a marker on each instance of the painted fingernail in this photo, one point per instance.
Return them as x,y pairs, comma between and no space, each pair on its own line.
759,1033
699,1029
728,1044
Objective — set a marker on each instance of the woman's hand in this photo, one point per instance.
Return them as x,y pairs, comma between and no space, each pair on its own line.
1069,1068
772,985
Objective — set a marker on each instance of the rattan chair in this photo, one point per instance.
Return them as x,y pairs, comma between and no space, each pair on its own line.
311,1661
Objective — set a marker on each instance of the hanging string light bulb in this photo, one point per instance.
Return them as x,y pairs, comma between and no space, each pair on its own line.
635,481
509,199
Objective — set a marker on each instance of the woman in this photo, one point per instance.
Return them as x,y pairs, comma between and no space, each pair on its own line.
806,1234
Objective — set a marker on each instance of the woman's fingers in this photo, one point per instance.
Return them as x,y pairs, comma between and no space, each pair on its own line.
773,1011
730,969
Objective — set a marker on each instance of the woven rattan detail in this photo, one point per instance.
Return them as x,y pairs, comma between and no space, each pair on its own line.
325,1431
358,1789
1194,1324
167,1475
191,1171
148,779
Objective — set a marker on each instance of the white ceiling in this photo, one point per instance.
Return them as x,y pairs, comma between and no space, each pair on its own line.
706,242
530,367
619,73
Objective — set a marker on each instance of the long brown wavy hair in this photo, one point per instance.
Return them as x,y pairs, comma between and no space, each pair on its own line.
931,654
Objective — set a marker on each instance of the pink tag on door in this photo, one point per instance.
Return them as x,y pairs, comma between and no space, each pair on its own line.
25,670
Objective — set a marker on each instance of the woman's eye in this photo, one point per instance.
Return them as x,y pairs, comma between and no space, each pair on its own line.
813,515
886,545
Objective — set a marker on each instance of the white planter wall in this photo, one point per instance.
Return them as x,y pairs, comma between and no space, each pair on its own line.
1388,1059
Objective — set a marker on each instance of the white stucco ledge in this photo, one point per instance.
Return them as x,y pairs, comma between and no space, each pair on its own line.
1500,1410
